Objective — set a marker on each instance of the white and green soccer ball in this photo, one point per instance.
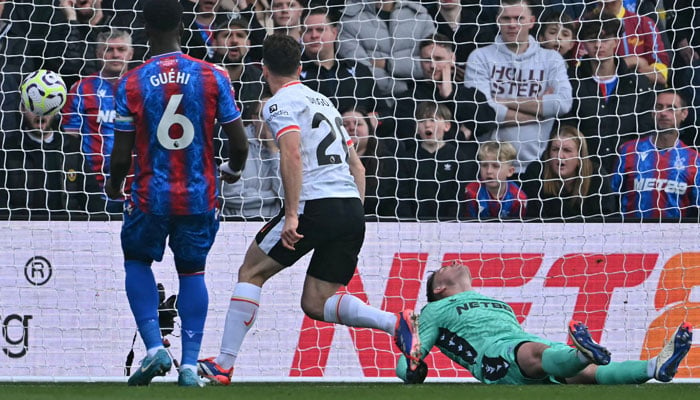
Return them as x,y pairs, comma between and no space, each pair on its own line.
43,92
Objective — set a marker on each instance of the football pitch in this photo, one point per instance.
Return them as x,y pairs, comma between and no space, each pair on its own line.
341,391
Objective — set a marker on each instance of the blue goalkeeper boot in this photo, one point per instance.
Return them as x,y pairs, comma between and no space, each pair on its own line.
158,365
406,337
583,341
673,353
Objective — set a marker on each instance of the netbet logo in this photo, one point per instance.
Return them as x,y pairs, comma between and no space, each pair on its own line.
668,186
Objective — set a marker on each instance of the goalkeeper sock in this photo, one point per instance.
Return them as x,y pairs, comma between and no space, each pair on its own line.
142,293
240,318
619,373
348,310
192,305
562,362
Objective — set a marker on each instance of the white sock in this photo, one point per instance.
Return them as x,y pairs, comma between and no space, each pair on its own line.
241,315
582,357
349,310
191,367
153,350
651,367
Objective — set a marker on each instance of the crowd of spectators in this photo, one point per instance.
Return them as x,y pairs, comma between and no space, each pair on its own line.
527,110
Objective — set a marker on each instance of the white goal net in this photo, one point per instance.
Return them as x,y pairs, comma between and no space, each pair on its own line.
550,147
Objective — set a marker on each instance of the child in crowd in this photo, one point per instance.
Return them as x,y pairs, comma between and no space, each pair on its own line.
557,31
493,196
438,170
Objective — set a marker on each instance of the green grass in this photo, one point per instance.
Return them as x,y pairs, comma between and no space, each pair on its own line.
342,391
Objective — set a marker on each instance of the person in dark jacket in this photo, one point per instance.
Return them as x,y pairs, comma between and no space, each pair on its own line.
566,184
346,82
612,104
40,168
384,166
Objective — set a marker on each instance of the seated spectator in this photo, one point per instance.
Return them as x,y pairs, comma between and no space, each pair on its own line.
642,45
439,173
383,166
558,31
493,196
200,19
611,102
260,17
39,168
566,183
231,44
89,114
465,24
258,194
12,58
77,55
468,105
682,21
286,17
657,175
526,84
384,35
346,82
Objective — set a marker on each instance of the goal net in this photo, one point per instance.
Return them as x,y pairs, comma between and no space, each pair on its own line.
431,105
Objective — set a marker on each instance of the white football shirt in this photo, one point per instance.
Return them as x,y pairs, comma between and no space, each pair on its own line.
324,140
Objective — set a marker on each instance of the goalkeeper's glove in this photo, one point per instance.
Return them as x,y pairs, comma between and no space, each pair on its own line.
167,311
416,375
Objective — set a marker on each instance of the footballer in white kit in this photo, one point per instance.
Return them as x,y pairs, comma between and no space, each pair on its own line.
331,215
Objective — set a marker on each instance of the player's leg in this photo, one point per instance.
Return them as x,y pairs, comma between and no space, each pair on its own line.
336,227
538,358
258,266
662,367
143,240
191,238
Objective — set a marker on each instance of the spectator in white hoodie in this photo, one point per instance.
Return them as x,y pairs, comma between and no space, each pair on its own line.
526,84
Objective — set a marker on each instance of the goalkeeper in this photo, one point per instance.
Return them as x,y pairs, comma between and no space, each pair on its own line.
482,335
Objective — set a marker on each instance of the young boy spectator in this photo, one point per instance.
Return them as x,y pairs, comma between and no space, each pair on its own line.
493,196
641,45
440,172
557,31
611,101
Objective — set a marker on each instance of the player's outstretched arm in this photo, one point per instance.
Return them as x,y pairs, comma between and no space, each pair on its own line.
120,163
237,150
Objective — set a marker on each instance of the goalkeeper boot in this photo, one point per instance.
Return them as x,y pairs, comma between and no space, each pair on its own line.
673,353
189,378
151,367
583,341
208,368
406,337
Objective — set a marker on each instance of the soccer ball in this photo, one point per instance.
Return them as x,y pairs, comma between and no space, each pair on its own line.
43,92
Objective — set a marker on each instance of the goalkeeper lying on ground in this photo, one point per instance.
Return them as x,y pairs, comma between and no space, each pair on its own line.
482,335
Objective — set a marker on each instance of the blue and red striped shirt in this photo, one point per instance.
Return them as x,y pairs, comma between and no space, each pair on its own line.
481,204
89,111
172,103
656,183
